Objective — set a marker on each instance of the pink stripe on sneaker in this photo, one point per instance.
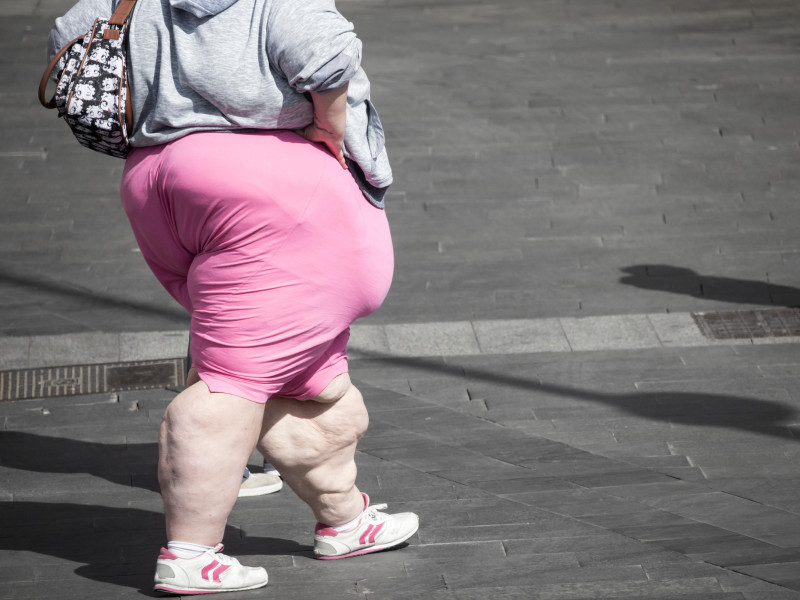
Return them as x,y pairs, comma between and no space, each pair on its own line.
363,539
375,532
219,571
207,569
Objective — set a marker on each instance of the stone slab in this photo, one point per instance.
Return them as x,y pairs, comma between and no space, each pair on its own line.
512,336
432,339
629,331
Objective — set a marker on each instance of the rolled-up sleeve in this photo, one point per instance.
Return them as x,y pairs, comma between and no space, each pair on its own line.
312,44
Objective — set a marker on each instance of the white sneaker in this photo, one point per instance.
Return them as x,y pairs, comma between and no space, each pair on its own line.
259,484
375,531
207,573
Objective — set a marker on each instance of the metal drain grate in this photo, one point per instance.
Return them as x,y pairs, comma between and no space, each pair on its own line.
743,324
51,382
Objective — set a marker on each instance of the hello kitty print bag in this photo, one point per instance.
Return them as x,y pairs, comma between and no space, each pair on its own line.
92,85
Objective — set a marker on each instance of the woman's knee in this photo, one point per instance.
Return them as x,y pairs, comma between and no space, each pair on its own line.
359,417
350,417
345,421
197,413
179,418
311,432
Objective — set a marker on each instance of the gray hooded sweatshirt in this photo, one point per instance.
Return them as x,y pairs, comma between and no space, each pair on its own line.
205,65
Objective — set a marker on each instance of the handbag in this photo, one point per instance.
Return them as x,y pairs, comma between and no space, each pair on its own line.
92,93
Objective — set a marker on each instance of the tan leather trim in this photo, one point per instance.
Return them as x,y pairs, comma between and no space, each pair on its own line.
48,71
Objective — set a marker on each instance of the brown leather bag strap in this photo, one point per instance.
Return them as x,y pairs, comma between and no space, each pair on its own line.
49,70
119,17
122,13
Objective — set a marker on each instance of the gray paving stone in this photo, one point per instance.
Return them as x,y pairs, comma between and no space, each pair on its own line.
96,347
771,595
531,483
676,330
791,539
728,580
641,113
624,331
519,336
764,490
666,589
617,476
748,552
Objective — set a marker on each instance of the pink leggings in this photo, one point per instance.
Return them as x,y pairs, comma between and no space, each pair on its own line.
271,247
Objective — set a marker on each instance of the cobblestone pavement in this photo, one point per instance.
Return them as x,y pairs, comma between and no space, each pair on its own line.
585,376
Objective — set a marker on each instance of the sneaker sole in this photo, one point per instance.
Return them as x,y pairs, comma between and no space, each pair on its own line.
261,491
165,589
367,550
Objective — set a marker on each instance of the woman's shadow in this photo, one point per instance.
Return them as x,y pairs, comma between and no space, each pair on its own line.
116,545
694,408
680,280
133,465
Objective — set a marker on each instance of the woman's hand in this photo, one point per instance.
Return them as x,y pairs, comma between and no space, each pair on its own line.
332,140
329,121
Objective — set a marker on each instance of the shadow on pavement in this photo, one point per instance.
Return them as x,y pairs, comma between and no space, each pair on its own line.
679,280
124,464
65,292
700,409
132,465
116,545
